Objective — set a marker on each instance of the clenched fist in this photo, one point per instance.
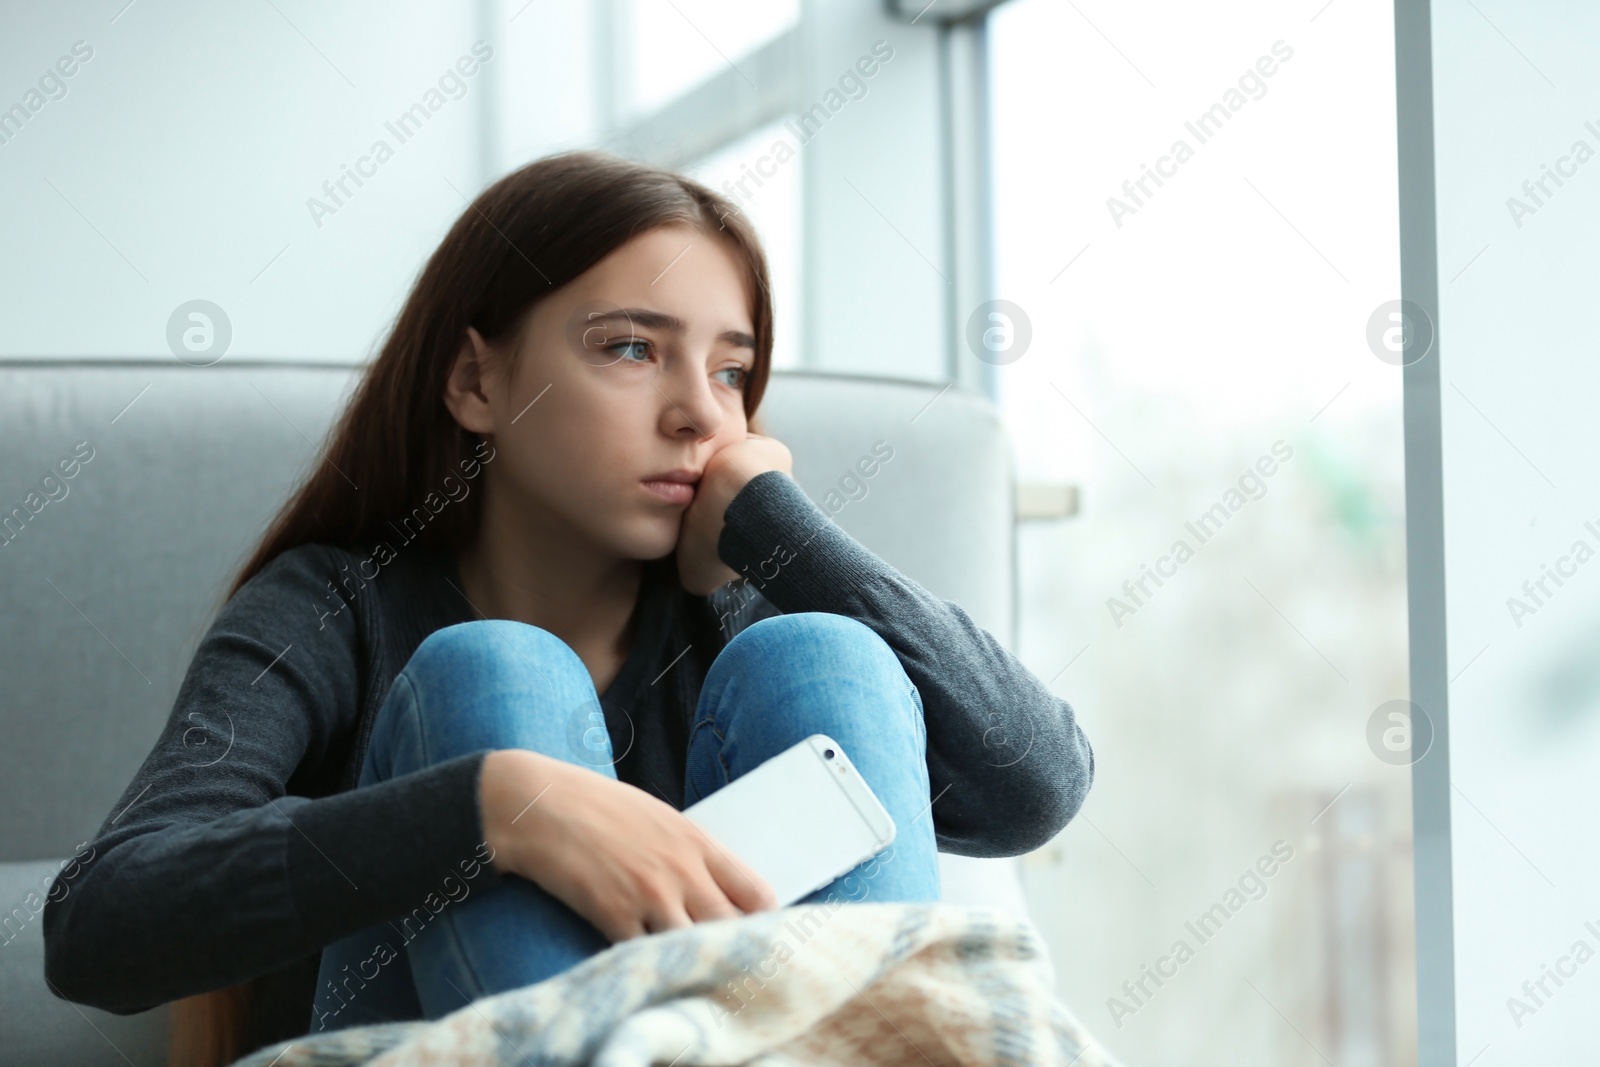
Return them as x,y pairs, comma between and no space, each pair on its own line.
699,567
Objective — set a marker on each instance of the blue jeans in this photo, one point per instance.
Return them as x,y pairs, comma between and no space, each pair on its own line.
496,683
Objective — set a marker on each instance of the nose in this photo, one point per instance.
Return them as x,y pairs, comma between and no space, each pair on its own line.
688,407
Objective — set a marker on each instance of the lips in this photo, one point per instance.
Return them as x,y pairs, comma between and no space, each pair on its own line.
674,486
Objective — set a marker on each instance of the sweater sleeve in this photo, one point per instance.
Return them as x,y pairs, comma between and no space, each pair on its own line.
208,872
1008,764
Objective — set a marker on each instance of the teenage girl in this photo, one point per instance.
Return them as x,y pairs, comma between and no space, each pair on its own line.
545,587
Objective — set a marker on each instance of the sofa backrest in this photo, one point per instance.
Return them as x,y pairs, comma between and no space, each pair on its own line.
131,491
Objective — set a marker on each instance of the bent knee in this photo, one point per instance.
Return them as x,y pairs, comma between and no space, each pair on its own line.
508,684
839,638
486,650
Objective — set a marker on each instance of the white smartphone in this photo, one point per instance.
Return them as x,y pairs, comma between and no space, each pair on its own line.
801,819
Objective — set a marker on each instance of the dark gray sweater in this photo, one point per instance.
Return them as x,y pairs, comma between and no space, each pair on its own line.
241,847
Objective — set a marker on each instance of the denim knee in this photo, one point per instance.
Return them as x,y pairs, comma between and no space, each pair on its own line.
849,647
847,641
503,683
493,652
489,643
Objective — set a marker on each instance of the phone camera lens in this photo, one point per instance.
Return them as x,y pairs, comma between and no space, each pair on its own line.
827,753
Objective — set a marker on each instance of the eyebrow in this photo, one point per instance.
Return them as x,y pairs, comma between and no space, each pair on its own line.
660,320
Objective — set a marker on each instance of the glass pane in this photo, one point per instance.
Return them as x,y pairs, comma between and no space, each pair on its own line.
1196,208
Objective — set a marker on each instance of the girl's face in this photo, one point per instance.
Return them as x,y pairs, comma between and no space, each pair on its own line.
632,370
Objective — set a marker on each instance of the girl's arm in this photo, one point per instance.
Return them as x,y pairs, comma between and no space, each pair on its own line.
1007,762
209,870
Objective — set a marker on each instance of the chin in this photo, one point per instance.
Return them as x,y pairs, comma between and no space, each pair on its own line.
650,540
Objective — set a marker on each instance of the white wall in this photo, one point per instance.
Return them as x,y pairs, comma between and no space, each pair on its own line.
180,161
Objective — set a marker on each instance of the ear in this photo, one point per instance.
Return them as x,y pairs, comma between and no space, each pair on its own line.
468,389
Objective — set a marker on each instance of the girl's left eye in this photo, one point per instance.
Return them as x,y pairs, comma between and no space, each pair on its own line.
740,371
632,342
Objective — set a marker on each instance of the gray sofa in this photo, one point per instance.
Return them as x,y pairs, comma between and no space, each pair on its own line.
111,576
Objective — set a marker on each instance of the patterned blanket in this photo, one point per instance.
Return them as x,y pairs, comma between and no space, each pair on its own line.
853,985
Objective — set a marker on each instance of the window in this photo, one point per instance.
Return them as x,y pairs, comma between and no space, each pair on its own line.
1199,369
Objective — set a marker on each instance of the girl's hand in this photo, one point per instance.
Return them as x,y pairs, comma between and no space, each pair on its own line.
625,861
699,567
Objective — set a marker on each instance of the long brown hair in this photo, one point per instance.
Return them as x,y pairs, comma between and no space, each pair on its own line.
527,235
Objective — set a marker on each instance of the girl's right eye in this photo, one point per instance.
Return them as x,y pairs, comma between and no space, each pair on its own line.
622,347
